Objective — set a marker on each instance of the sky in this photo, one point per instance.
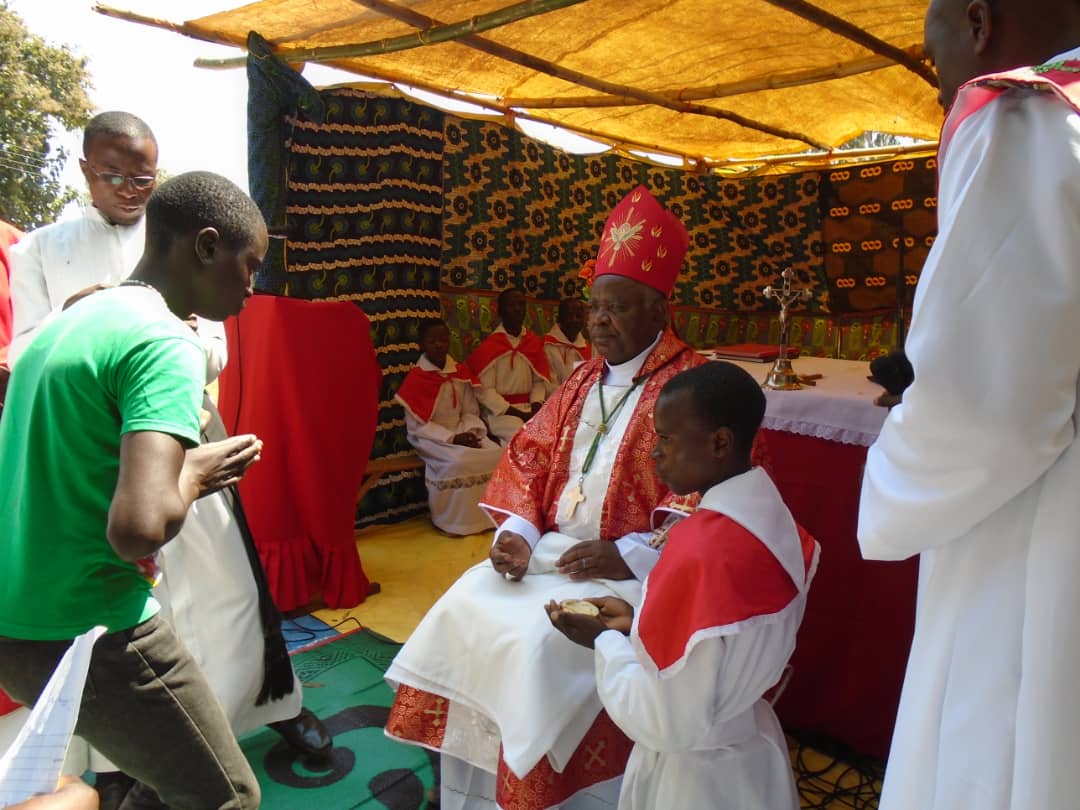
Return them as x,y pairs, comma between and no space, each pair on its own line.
198,116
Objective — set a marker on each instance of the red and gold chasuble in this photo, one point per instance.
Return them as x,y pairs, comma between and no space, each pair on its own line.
528,482
420,388
536,465
1060,78
530,348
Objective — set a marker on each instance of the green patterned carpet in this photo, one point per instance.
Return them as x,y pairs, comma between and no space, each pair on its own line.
343,684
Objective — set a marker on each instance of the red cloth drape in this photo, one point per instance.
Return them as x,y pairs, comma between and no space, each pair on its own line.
860,615
302,376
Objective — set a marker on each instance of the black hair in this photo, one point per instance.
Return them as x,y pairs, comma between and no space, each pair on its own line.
427,325
724,395
116,123
195,200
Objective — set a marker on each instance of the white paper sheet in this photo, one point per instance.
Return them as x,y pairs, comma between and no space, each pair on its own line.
33,763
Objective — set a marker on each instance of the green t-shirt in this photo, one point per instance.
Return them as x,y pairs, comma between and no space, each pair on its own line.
115,362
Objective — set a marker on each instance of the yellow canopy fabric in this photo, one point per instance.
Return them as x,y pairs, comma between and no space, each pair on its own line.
648,45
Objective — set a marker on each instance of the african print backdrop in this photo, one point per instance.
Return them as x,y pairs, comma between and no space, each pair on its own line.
364,205
407,210
873,218
522,213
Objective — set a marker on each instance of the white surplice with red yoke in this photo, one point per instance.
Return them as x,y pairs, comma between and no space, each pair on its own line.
439,404
716,627
978,469
513,372
564,355
485,671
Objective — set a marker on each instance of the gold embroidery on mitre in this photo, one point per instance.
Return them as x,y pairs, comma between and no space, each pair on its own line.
661,252
646,265
636,197
657,231
620,236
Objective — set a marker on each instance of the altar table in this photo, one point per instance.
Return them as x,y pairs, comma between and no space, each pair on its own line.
852,648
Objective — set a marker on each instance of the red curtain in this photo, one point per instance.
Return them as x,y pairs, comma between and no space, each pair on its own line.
302,376
860,615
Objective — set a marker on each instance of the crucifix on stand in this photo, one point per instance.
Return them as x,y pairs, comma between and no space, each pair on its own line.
781,376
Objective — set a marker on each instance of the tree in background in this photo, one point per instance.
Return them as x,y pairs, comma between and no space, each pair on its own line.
42,87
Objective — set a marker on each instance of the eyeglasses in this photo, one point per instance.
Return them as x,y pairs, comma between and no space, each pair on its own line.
141,182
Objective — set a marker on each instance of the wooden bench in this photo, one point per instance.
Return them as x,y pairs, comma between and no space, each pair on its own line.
380,467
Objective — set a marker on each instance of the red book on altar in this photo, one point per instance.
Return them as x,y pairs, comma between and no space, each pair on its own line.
753,352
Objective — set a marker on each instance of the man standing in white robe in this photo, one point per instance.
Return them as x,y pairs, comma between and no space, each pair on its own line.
978,469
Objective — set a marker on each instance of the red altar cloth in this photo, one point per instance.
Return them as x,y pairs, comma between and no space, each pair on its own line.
860,615
302,376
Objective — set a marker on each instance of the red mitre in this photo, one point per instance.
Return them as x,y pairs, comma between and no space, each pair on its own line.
644,241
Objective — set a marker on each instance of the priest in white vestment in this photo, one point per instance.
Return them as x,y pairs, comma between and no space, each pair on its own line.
978,469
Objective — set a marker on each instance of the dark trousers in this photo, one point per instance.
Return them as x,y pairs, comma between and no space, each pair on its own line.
148,708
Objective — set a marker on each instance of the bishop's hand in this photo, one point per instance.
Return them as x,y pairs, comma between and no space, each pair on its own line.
593,559
510,555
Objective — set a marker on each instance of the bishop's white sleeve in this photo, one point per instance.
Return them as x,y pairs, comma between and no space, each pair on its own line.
722,678
994,339
638,555
30,302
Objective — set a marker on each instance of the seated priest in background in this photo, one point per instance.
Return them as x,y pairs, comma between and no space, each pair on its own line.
565,345
512,368
442,418
685,675
485,678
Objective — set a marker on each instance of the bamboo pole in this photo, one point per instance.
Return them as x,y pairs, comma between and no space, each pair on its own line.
153,22
773,81
838,25
550,68
431,35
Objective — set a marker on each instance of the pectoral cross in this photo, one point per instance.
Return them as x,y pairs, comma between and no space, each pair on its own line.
573,498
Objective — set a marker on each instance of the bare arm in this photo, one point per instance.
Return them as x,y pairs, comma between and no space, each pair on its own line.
158,482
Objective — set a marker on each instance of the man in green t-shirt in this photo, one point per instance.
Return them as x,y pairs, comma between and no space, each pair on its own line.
100,463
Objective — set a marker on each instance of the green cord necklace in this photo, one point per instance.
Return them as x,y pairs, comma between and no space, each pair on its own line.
576,495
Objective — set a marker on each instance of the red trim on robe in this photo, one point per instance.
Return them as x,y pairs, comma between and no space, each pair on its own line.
977,93
495,345
536,465
420,389
420,717
713,573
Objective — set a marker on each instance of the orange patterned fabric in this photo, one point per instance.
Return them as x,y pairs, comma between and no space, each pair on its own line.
418,716
535,467
601,756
